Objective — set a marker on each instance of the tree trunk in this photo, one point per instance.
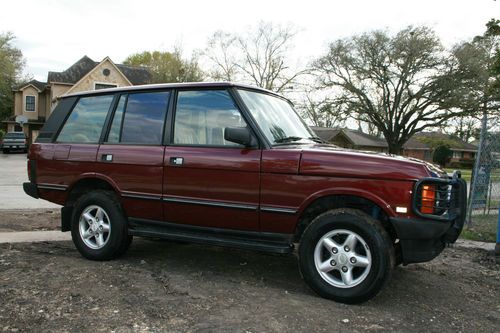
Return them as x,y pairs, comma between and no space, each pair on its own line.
395,148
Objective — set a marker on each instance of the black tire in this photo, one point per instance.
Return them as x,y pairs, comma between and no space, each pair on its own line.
370,279
5,151
117,241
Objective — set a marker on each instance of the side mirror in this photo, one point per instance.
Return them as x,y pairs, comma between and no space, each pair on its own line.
240,135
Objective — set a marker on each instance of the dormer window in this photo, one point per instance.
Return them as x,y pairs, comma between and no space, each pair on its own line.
30,103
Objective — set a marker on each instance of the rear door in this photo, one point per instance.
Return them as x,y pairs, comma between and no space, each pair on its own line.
76,145
209,181
131,155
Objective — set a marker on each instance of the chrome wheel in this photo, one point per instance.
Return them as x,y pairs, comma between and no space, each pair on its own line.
95,227
342,258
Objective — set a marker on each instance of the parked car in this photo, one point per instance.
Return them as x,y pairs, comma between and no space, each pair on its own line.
233,165
14,141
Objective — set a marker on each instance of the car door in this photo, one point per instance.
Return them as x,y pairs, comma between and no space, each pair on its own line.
209,181
131,155
77,143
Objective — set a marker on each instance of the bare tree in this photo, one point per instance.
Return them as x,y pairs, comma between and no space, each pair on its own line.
467,128
259,56
320,111
478,68
221,52
400,84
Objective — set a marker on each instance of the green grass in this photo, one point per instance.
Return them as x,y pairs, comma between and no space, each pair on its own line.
483,228
466,173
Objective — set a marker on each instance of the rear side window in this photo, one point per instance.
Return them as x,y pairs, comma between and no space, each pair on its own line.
84,124
139,118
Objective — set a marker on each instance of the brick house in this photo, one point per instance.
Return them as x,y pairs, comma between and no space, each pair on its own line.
35,100
417,147
353,139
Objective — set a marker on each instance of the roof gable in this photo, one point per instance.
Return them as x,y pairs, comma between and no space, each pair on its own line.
355,137
104,62
38,85
76,72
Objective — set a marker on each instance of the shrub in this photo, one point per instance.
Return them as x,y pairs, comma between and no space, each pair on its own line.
442,155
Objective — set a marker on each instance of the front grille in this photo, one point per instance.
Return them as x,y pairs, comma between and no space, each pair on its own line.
440,199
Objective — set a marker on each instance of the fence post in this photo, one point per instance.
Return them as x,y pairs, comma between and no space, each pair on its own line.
497,246
476,166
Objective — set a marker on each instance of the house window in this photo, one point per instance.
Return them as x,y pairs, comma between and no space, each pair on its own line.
30,103
98,86
457,154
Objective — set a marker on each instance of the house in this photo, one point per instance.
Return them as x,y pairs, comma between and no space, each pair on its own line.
35,100
353,139
420,146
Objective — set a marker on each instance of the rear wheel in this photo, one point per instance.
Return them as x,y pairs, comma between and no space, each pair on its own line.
346,255
5,151
99,227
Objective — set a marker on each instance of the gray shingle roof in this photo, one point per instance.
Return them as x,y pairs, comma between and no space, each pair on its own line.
458,144
38,84
357,138
136,75
361,139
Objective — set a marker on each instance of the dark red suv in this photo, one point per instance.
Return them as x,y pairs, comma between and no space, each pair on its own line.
232,165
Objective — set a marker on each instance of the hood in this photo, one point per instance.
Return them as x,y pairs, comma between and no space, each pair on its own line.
327,160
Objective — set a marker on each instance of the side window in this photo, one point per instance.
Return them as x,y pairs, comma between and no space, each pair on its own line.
201,117
116,125
139,118
84,124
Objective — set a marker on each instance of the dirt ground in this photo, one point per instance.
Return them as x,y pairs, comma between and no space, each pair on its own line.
166,286
30,220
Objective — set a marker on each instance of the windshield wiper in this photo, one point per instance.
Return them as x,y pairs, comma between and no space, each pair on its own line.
288,139
317,139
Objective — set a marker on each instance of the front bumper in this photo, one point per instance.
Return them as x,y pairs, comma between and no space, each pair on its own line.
420,240
14,146
423,238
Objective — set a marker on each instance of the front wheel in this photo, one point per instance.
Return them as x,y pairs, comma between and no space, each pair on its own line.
346,255
99,227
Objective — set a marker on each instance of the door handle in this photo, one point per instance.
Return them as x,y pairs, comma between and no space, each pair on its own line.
176,160
107,157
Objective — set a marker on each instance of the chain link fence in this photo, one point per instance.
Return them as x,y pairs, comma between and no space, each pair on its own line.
484,184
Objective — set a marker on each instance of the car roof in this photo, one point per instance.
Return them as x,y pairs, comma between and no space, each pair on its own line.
185,85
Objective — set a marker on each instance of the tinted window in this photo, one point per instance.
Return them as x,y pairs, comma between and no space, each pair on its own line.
114,132
86,120
139,118
202,116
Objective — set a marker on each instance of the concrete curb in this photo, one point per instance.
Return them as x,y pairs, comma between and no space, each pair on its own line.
34,236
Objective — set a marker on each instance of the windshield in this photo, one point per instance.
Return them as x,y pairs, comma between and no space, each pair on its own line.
277,119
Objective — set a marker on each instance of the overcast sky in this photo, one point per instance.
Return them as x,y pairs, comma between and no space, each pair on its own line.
53,34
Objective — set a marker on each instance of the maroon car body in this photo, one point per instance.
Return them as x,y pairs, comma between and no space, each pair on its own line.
260,197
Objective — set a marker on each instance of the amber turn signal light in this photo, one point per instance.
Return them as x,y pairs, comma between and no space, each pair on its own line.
428,198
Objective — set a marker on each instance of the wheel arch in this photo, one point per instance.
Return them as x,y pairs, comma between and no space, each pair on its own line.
353,199
88,182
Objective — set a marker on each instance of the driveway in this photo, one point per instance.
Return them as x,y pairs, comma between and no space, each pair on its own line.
12,175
